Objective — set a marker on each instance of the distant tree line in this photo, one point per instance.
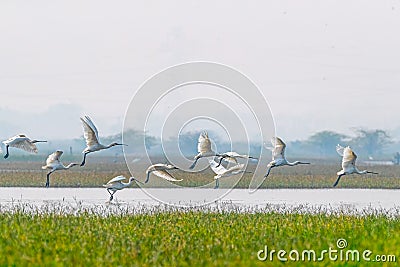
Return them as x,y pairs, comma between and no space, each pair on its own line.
366,143
369,143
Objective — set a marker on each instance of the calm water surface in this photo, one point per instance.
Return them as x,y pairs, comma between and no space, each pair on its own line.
351,200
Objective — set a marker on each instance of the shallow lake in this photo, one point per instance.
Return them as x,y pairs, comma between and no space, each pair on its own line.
283,200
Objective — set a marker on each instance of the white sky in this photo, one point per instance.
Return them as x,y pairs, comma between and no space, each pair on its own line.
321,64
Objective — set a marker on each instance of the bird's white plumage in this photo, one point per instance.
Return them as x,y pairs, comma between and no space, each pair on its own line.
348,163
278,155
278,151
22,142
339,150
232,157
92,138
54,158
116,184
349,158
217,170
118,178
204,147
90,131
165,175
53,162
221,171
160,170
204,144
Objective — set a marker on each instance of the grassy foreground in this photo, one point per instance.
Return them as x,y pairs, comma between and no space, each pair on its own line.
186,238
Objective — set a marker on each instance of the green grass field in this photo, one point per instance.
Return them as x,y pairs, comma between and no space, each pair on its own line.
198,237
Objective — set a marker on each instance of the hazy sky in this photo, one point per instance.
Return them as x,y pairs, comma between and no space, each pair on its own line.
320,64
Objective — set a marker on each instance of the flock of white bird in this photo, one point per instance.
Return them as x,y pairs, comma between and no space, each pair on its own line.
204,148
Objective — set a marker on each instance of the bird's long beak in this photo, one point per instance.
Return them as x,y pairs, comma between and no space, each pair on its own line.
372,172
122,145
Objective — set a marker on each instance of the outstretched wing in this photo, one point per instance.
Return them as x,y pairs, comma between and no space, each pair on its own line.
217,170
235,168
339,150
22,142
26,145
279,148
116,179
89,131
230,157
233,154
204,143
349,158
54,157
165,175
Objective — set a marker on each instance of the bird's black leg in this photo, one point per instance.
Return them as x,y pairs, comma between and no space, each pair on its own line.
268,171
48,179
111,194
84,159
147,177
337,181
194,164
7,154
220,161
216,184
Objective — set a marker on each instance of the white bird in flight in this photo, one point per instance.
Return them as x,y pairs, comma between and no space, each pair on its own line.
54,164
92,138
348,163
22,142
116,184
232,157
203,148
278,156
221,171
161,170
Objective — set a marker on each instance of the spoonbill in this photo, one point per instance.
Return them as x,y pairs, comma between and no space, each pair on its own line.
203,148
161,170
348,163
54,164
232,157
278,156
116,184
21,141
221,171
92,138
